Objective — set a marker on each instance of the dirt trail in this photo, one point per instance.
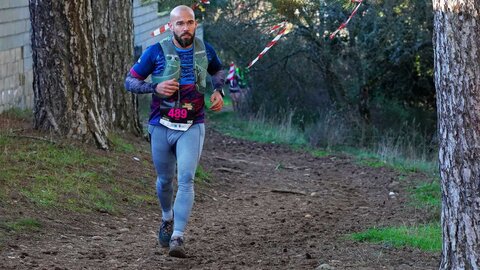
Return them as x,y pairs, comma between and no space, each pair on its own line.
268,207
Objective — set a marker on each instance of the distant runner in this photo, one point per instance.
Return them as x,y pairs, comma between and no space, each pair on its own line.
238,89
235,92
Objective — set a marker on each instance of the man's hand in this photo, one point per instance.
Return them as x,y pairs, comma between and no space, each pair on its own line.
167,88
217,101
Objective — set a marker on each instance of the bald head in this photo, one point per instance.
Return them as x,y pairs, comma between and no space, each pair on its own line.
181,10
183,25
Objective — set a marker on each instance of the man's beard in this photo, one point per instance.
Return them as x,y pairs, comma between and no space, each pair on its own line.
184,42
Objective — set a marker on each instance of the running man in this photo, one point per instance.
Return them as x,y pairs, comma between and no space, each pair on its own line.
235,92
178,66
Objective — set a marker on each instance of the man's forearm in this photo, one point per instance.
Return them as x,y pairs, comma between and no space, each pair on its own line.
218,79
138,86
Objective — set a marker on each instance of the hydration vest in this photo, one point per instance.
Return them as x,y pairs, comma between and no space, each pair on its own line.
172,63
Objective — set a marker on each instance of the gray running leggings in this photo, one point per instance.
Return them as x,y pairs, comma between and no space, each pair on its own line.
176,149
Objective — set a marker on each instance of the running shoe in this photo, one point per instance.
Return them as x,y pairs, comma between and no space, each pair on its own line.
177,248
165,233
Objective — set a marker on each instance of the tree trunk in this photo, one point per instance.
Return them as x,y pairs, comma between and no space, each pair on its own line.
81,51
114,48
457,82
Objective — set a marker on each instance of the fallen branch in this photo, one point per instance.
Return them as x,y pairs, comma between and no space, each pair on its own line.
294,168
259,163
16,130
208,195
288,191
281,166
223,169
236,160
32,137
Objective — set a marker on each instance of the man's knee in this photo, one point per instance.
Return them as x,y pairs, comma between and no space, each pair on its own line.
185,182
165,182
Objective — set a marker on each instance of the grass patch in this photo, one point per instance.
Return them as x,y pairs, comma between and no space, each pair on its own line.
18,113
121,145
405,166
427,195
318,152
202,176
409,165
102,201
257,129
139,199
424,237
18,226
372,162
24,224
57,176
365,158
41,195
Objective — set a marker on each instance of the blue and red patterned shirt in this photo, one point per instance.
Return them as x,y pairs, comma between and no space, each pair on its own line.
152,62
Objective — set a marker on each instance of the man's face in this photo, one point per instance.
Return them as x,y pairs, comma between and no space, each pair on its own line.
183,26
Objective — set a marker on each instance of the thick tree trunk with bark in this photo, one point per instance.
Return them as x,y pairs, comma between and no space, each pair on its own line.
81,51
457,81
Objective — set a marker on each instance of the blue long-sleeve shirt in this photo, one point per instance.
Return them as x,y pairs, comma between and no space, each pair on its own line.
152,62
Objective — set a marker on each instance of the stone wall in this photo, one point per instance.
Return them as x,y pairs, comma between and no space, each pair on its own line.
145,20
16,75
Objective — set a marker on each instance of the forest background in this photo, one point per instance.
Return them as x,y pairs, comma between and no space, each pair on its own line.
369,87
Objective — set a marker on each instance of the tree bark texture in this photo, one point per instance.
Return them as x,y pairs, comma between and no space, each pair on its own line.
81,51
457,82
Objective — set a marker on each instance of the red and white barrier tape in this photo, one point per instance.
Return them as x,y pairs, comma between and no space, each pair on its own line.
349,18
160,30
275,27
273,42
231,71
199,5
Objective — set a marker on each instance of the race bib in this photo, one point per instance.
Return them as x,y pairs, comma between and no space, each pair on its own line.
177,117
